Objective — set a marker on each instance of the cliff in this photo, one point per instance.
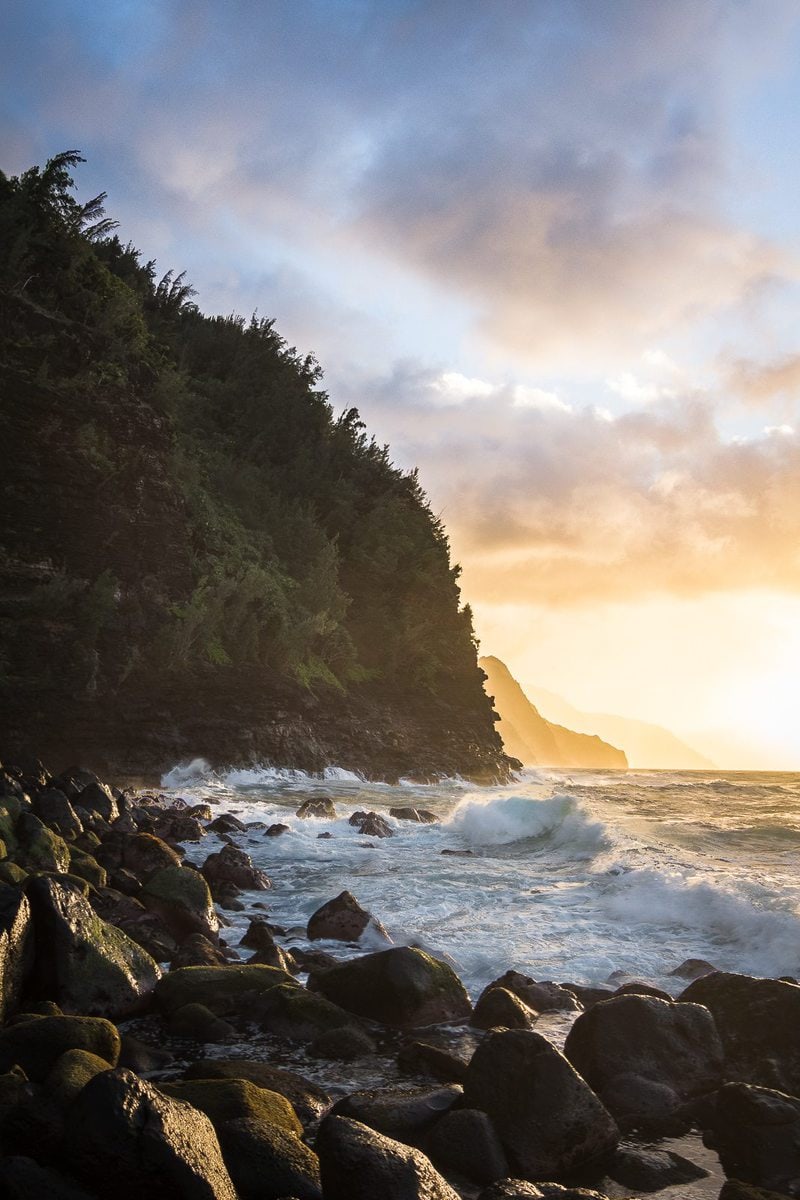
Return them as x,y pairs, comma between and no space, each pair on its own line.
536,741
197,556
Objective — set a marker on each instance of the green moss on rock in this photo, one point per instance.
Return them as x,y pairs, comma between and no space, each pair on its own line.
293,1012
71,1072
11,873
37,1043
402,987
181,898
41,849
219,988
230,1099
87,867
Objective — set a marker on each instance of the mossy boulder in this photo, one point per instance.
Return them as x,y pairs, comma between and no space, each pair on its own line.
71,1072
402,987
41,849
85,964
232,1099
53,807
357,1163
181,898
10,809
86,866
197,1022
11,873
267,1163
37,1043
307,1099
16,947
222,989
291,1011
144,854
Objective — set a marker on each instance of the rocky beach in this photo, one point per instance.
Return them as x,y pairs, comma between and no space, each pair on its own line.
166,1035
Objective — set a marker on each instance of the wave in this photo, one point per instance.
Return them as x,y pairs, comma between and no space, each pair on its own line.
187,774
561,821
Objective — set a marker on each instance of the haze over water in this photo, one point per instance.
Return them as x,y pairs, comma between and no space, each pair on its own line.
572,876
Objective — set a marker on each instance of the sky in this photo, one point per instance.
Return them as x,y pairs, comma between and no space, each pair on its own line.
551,251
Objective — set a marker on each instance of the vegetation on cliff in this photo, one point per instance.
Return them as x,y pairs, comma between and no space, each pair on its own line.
181,497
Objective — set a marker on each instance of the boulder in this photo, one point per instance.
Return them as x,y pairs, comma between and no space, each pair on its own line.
267,1163
541,997
307,1099
277,829
497,1007
40,848
72,781
759,1024
344,1044
231,866
97,798
222,989
674,1045
197,1022
181,898
230,1099
321,809
402,1115
548,1119
422,816
464,1141
693,968
637,988
343,920
519,1189
71,1072
402,987
356,1163
644,1104
128,913
420,1058
734,1189
650,1170
85,866
140,1058
226,823
371,825
37,1043
22,1178
129,1140
87,965
53,807
197,951
16,947
291,1011
144,854
756,1133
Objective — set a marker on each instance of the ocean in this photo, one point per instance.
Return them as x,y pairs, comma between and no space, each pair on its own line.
586,877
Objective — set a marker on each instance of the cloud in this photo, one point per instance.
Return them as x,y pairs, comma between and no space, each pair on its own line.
758,384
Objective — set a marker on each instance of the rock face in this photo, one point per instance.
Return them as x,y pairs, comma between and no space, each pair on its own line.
86,965
547,1117
356,1163
343,920
402,987
756,1132
16,947
672,1045
759,1024
130,1141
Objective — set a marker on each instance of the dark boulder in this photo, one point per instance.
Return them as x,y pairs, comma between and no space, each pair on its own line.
292,1012
356,1163
70,1074
547,1117
143,854
128,913
222,989
345,1043
231,1099
422,816
308,1100
277,829
693,968
344,920
401,987
637,988
16,947
180,896
23,1178
650,1170
198,1023
322,809
541,997
226,823
371,825
464,1142
231,866
267,1163
36,1043
53,807
40,849
85,964
406,1116
420,1058
519,1189
129,1141
756,1133
497,1007
98,798
197,951
72,781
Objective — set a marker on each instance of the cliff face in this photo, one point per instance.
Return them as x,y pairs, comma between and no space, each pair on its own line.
197,557
535,741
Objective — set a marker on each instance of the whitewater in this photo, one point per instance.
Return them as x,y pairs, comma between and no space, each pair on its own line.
585,877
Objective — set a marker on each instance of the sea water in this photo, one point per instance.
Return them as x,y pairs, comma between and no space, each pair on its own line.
582,876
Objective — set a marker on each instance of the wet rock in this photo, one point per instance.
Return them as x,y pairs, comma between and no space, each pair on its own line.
734,1189
674,1045
222,989
267,1163
420,1058
22,1178
225,823
401,987
97,798
292,1012
548,1119
344,920
11,874
635,988
356,1163
259,935
85,964
40,848
496,1007
71,1072
519,1189
644,1104
693,968
756,1133
53,807
308,1100
144,854
542,997
86,866
232,866
421,815
759,1024
277,829
313,960
137,1056
145,928
371,825
345,1044
16,947
231,1099
398,1114
322,809
37,1043
72,781
197,951
464,1141
651,1170
458,853
587,997
130,1140
177,827
180,896
197,1022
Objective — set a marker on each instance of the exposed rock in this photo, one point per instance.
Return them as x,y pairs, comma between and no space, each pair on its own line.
137,1056
308,1100
97,798
197,1022
644,1104
37,1043
277,829
344,920
130,1140
71,1072
16,947
541,997
181,898
130,915
87,965
651,1170
464,1141
41,849
322,808
756,1133
356,1163
197,951
222,989
226,823
313,960
267,1163
496,1007
519,1189
420,1058
293,1012
421,815
345,1043
86,866
637,988
759,1024
459,853
177,827
587,997
72,781
53,807
734,1189
230,1099
674,1045
401,987
232,866
693,968
371,825
398,1114
144,854
546,1116
22,1178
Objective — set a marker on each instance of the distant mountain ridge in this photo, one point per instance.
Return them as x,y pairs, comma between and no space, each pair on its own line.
533,739
646,745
